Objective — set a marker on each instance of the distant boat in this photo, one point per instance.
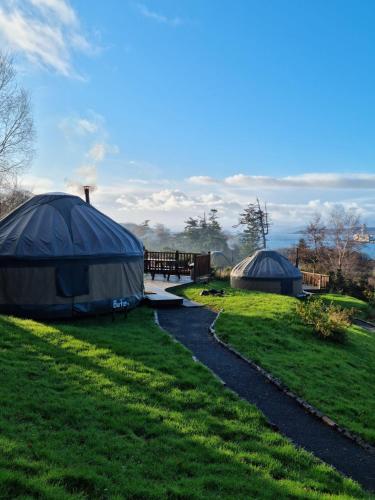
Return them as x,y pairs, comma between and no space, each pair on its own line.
363,236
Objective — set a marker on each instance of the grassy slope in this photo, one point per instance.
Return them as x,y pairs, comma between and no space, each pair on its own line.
345,301
96,409
338,379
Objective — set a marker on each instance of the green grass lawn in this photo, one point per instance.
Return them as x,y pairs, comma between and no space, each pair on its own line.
337,379
95,409
344,301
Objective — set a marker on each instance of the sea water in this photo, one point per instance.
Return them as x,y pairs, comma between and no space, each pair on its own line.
286,240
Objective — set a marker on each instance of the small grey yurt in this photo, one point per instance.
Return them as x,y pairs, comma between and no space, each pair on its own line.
219,260
267,271
61,257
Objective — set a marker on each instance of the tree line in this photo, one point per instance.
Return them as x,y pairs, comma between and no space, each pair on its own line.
205,233
329,247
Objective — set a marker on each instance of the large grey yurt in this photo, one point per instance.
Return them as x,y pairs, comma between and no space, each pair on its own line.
61,257
267,271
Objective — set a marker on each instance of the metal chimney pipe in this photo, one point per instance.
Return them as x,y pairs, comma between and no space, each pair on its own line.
87,193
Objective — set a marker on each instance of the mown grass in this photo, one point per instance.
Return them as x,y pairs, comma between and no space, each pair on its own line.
337,379
95,409
362,308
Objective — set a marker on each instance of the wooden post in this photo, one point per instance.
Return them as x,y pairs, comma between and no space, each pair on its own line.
177,258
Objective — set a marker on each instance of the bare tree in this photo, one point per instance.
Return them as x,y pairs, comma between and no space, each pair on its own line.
342,226
16,124
316,233
11,199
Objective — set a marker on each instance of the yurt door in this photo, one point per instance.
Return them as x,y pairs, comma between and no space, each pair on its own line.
286,287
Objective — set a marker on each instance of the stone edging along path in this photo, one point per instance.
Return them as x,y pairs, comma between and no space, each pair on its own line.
285,414
367,325
282,387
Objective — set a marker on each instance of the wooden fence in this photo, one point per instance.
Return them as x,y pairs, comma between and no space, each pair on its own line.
202,266
177,264
315,280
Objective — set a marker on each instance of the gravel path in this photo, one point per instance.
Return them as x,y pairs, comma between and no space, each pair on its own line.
191,327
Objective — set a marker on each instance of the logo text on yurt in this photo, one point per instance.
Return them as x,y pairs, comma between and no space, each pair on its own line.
119,303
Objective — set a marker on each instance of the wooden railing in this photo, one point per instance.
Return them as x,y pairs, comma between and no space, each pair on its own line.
315,280
177,264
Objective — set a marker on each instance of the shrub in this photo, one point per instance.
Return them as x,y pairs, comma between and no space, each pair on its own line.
222,273
369,294
328,320
360,288
370,297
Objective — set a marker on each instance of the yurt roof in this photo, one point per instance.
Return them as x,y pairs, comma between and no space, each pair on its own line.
266,264
54,225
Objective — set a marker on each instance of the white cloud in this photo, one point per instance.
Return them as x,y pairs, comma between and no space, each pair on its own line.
59,8
100,150
89,135
87,174
37,184
201,180
45,32
86,126
73,126
171,202
246,180
313,180
97,152
178,200
159,18
297,214
150,183
171,206
165,200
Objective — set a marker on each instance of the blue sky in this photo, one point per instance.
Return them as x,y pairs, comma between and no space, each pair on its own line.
173,107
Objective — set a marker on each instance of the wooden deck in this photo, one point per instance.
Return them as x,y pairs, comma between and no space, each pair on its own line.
169,264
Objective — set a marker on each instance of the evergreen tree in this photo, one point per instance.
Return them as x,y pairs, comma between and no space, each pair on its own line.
189,238
216,238
213,221
255,221
203,234
191,226
203,223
